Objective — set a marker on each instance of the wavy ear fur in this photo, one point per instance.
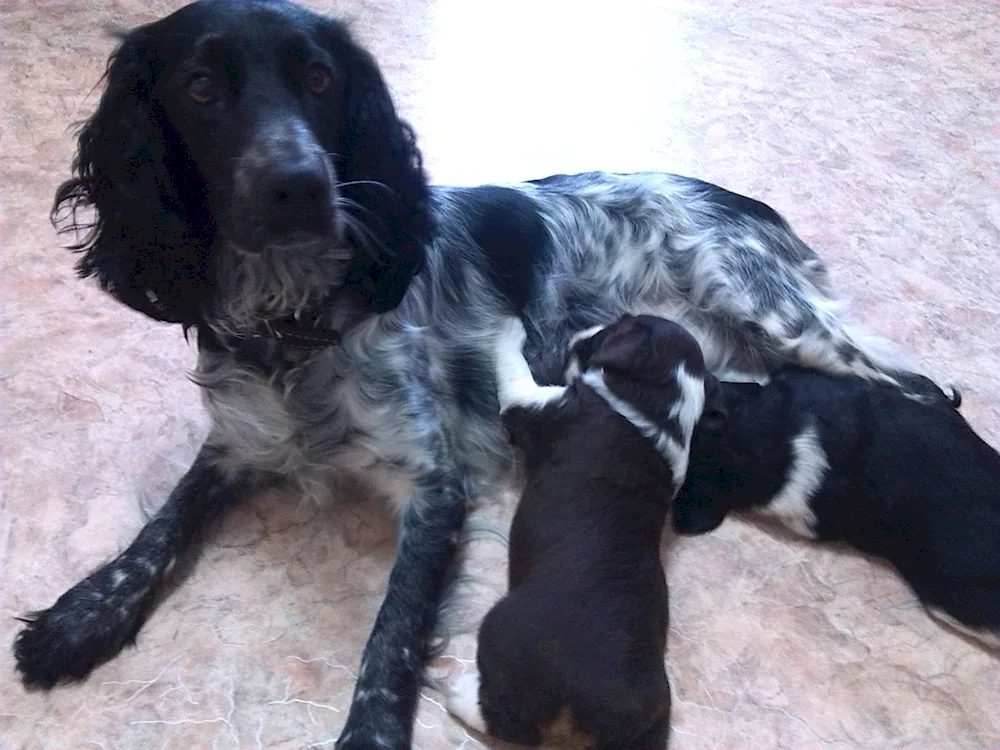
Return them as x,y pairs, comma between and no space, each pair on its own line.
144,243
382,172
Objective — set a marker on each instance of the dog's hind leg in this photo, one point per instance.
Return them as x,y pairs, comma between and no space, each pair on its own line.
94,620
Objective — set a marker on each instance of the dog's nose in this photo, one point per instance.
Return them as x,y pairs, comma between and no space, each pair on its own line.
296,195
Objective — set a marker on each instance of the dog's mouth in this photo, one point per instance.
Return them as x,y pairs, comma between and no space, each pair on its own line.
293,228
264,238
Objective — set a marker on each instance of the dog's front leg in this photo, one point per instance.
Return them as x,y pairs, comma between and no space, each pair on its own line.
94,620
388,685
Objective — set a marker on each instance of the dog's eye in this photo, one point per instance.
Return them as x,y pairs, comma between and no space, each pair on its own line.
202,88
317,78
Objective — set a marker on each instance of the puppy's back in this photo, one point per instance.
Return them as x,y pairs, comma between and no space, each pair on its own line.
591,480
579,638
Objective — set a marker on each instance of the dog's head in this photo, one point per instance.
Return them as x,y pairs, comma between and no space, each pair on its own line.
709,493
245,161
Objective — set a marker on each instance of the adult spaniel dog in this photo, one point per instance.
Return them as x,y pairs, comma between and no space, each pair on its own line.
246,176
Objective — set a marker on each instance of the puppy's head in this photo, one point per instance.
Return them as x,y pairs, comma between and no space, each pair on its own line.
653,372
647,351
703,501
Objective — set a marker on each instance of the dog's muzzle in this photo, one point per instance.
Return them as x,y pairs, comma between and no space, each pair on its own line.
284,191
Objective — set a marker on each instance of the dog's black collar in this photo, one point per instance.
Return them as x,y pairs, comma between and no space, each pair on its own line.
296,335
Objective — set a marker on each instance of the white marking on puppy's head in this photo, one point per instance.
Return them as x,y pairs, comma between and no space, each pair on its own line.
572,371
687,410
675,453
651,371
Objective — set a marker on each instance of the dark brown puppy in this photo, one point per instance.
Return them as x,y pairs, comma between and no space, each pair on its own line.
577,644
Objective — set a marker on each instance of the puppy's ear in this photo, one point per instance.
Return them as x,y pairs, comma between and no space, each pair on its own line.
715,413
141,242
693,515
618,347
382,179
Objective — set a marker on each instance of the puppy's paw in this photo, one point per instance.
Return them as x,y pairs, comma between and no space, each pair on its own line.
463,701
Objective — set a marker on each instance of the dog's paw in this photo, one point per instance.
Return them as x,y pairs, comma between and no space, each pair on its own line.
371,737
378,720
82,630
511,336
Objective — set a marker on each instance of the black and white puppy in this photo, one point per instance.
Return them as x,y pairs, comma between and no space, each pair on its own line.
841,458
577,644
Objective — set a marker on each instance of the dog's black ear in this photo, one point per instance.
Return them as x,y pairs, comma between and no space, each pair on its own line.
715,413
139,241
382,178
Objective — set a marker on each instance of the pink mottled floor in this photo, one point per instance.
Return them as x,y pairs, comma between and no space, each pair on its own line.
873,126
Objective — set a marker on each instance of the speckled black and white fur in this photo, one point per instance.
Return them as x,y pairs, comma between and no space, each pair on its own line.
247,169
